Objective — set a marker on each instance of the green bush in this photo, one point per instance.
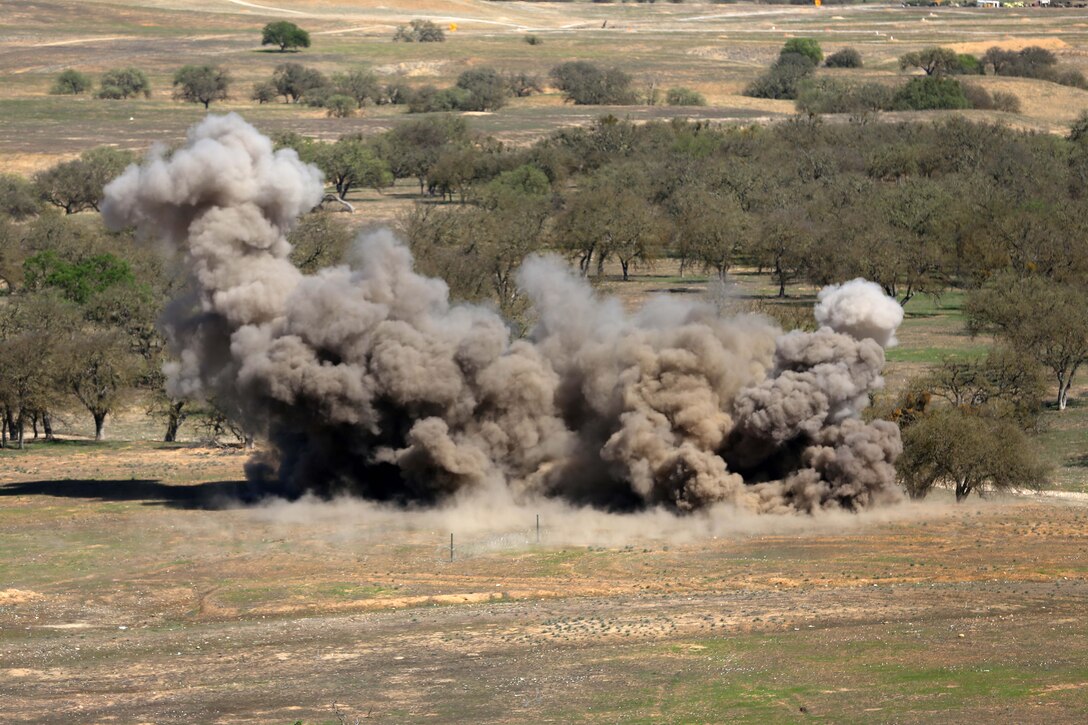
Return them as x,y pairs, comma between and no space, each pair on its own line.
831,95
429,99
264,92
17,197
124,83
783,78
845,58
930,93
340,106
969,65
585,84
680,96
487,90
71,82
419,31
807,47
979,97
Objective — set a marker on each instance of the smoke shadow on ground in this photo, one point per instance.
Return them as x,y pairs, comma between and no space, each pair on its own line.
208,496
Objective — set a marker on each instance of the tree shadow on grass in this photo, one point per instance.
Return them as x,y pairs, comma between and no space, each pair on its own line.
209,496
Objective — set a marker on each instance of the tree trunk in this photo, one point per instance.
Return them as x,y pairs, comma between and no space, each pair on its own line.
625,264
174,422
9,425
1064,384
963,489
34,425
584,262
99,425
47,425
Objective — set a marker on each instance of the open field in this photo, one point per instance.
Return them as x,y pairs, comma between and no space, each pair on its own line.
129,595
135,586
714,49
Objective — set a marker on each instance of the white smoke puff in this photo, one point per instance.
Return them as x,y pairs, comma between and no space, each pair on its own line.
860,309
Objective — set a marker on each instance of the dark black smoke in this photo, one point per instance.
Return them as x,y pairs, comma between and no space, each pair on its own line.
367,379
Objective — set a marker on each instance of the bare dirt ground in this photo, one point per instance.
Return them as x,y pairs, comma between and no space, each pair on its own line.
143,593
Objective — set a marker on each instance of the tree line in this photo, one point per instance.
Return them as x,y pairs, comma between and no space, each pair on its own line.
917,207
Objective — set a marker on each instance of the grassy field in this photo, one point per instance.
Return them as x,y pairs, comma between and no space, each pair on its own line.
130,594
711,48
133,588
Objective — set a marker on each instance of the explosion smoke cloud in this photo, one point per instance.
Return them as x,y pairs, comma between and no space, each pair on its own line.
368,380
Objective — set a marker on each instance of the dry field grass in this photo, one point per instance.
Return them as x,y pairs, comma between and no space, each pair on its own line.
135,593
712,48
133,588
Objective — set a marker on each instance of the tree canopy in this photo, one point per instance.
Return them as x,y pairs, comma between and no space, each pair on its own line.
71,82
124,83
286,35
201,84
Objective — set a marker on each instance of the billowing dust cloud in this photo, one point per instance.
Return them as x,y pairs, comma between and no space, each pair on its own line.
367,380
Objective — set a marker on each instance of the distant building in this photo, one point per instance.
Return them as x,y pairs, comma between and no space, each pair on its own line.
990,3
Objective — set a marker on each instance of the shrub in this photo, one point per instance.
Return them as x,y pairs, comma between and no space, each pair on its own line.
264,92
124,83
969,65
929,93
523,84
1078,132
585,84
807,47
783,78
831,95
680,96
419,31
487,90
340,106
979,97
361,85
845,58
1032,62
1071,77
429,99
71,82
17,197
293,81
534,39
